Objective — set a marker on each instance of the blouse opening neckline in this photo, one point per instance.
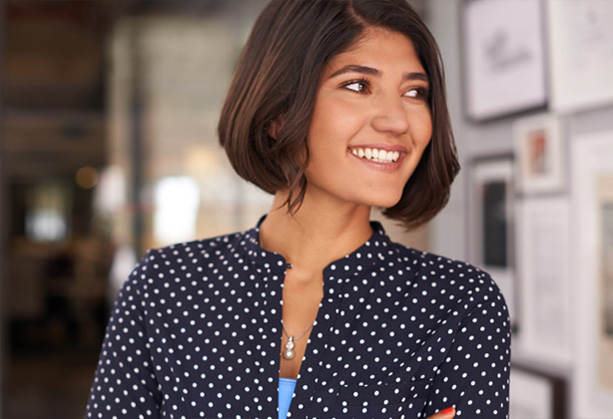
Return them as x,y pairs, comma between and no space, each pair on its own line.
376,248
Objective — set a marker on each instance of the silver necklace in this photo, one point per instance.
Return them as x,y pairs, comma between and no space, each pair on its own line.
289,353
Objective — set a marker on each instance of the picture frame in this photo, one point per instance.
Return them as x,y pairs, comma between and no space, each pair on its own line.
491,219
592,204
536,395
504,50
580,55
539,153
543,250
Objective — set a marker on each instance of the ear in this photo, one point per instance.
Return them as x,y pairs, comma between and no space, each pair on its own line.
274,128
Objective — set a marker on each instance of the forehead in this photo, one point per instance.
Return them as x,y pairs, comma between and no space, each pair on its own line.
379,46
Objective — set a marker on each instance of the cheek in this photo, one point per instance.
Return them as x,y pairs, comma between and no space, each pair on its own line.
424,132
321,126
332,125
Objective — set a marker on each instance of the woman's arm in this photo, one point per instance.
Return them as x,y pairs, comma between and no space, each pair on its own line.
474,377
125,383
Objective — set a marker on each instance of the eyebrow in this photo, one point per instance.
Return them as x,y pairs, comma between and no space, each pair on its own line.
353,68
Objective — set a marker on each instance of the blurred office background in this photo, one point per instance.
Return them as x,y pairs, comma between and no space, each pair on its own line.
108,147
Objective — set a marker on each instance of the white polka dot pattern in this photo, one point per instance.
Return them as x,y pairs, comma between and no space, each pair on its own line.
196,332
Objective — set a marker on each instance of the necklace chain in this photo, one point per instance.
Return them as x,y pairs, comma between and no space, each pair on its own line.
300,335
289,353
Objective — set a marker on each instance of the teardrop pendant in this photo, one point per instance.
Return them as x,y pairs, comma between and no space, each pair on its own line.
288,353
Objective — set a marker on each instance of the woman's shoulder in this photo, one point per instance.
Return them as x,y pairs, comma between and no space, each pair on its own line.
218,245
437,270
184,260
458,285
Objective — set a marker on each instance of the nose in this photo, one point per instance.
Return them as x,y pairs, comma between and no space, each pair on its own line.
391,116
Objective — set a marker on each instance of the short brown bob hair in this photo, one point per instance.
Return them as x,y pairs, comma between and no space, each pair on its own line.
277,79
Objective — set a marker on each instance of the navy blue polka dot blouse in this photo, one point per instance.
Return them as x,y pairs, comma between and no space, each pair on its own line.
196,332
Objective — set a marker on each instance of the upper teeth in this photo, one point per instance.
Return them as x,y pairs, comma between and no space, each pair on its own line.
376,154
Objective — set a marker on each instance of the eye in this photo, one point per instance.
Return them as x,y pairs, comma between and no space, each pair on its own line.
358,86
417,93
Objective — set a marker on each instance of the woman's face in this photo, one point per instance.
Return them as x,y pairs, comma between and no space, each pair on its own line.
371,122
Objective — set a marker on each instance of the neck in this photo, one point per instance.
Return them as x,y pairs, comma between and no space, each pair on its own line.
317,234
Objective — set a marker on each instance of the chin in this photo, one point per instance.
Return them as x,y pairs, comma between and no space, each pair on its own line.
385,201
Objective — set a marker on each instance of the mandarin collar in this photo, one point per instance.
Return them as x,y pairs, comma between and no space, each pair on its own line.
372,252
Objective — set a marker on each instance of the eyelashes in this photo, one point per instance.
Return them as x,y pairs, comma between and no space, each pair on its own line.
363,86
359,86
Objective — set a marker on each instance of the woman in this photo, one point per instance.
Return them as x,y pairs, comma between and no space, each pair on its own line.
337,106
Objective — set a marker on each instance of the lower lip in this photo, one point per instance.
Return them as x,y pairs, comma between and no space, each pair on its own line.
386,167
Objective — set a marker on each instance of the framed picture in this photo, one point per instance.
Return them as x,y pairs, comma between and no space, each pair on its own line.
580,54
504,53
536,395
540,160
592,207
543,270
491,221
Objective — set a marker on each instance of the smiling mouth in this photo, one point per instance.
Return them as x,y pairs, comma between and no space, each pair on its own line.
376,155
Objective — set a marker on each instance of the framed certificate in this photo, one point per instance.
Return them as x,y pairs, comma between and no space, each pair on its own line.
543,270
504,68
580,37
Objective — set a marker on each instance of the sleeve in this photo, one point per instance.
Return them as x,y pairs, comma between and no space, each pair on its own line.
125,384
474,376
